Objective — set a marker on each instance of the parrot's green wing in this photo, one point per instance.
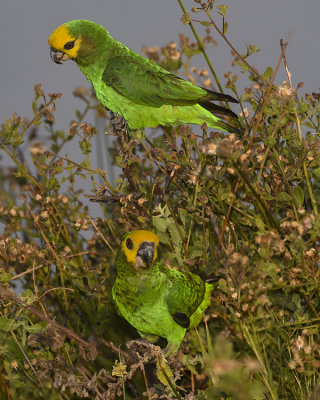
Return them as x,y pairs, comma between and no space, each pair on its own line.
191,289
144,82
143,93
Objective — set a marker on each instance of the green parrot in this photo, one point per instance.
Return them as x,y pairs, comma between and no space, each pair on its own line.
155,299
133,87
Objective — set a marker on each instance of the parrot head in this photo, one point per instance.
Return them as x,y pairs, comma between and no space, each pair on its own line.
78,40
140,248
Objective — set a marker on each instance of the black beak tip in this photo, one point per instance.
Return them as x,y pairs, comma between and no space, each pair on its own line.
56,56
148,257
146,252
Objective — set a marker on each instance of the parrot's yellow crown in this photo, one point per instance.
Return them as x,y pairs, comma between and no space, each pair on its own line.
59,39
131,242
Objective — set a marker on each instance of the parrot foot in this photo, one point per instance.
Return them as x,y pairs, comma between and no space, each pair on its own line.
120,128
138,345
168,353
142,348
171,349
168,180
118,123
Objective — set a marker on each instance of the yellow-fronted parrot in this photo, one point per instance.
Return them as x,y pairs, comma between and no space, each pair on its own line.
131,86
155,299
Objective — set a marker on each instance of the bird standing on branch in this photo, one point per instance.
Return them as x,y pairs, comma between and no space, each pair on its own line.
133,87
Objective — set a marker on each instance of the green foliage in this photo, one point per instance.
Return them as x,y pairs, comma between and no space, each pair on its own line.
244,208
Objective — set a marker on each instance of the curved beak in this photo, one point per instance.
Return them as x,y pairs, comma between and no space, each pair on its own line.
58,56
146,253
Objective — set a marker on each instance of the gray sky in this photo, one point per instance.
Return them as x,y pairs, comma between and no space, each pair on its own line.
25,26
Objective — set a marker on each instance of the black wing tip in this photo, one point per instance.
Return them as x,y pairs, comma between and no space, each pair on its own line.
182,319
231,99
211,95
218,110
214,279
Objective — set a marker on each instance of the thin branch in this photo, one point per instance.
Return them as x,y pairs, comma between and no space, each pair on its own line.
99,232
202,49
305,170
24,354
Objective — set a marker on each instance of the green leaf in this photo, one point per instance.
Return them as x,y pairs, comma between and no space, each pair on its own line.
283,196
7,324
52,183
298,195
268,73
308,124
205,23
160,224
84,164
223,9
5,277
85,147
79,115
36,328
37,122
225,27
183,216
196,250
190,51
27,296
317,172
34,107
175,235
268,196
260,224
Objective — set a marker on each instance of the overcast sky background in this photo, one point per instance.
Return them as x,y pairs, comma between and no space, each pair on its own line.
25,26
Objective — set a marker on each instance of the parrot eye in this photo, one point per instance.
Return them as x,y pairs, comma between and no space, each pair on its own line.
69,45
129,244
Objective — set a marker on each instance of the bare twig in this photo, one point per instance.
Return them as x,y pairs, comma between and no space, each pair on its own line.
202,50
101,235
24,354
308,183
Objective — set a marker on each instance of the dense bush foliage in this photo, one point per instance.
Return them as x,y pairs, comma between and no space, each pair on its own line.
244,208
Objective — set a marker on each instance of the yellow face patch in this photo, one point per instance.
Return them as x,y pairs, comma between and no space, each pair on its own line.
60,37
137,237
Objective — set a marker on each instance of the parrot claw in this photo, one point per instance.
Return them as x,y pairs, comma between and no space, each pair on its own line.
138,345
118,123
169,351
166,350
142,347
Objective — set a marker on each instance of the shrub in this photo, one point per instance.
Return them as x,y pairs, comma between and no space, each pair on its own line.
245,208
